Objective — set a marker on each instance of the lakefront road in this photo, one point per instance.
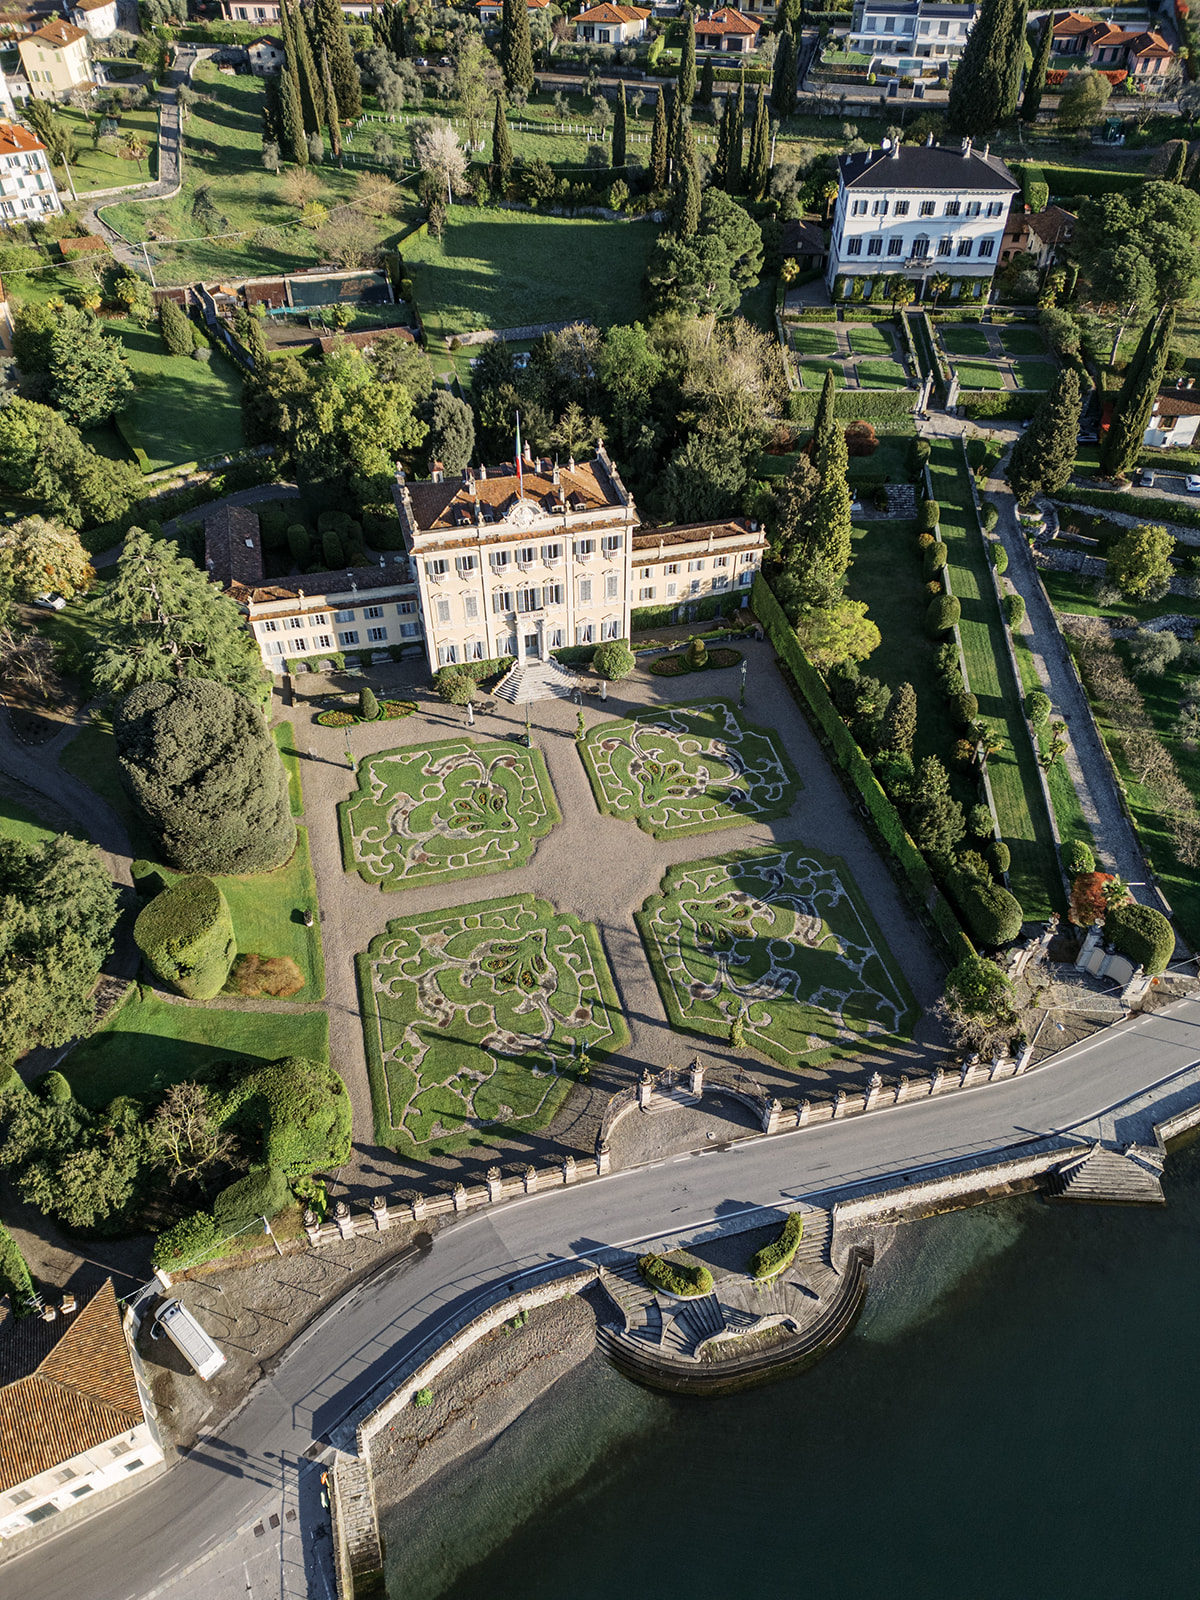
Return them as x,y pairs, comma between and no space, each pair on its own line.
143,1544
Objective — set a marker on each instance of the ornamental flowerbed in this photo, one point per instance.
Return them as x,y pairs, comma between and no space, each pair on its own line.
480,1018
781,938
389,711
691,660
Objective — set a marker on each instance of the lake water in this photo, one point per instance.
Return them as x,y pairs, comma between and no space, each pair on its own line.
1015,1416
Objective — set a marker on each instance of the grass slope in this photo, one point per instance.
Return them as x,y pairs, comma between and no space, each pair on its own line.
285,738
182,410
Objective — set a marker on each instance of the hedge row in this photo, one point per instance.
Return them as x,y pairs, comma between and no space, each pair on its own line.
15,1280
883,813
675,1277
1152,509
987,403
780,1253
854,403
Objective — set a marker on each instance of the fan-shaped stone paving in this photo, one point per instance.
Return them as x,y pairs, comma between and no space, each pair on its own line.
781,938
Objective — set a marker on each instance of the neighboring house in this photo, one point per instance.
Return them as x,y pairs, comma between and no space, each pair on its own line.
1071,30
97,17
919,211
904,36
266,55
57,61
490,11
1175,417
1142,53
14,92
609,24
27,188
1044,235
727,29
268,11
73,1414
521,566
804,242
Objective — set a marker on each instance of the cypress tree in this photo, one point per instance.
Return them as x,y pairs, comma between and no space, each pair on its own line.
331,108
720,168
758,166
291,113
1036,85
502,156
658,145
687,62
620,130
899,726
674,116
329,31
1044,455
687,203
311,92
1177,165
1014,60
1131,413
737,129
688,154
516,47
977,93
783,85
828,454
935,818
708,79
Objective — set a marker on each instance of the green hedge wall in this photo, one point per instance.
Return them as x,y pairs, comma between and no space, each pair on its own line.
1143,934
987,403
883,813
15,1280
777,1255
301,1109
186,936
1152,509
853,403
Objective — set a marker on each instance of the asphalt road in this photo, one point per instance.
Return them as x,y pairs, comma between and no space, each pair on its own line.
136,1548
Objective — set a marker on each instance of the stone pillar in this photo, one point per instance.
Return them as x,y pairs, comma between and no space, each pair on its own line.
802,1114
697,1078
935,1083
345,1222
603,1158
901,1091
530,1176
967,1073
998,1062
839,1104
568,1169
379,1210
645,1090
420,1207
495,1184
771,1116
460,1197
1025,1058
874,1088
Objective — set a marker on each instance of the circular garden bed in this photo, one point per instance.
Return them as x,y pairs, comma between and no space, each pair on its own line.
674,666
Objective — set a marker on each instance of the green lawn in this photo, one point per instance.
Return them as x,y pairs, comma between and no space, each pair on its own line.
91,757
815,341
1034,374
871,339
1020,807
150,1044
964,341
16,822
978,375
92,169
505,269
1068,813
182,410
1068,591
1022,341
812,373
285,739
881,375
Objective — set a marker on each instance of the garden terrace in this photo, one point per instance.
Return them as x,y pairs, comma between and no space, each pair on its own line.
781,939
987,356
476,1018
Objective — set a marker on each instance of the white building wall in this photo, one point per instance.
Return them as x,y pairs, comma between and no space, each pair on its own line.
37,1499
27,188
355,620
880,230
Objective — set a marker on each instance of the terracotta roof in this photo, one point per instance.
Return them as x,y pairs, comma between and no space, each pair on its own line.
1177,405
276,44
1150,45
68,1386
584,487
58,34
92,5
14,138
498,5
232,547
693,532
1069,23
314,586
805,237
611,13
727,20
364,340
1053,225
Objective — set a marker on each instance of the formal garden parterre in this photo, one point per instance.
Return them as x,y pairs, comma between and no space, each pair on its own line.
450,809
688,769
775,946
480,1018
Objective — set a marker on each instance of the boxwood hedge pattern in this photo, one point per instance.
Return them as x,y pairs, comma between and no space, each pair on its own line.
688,769
451,809
475,1016
781,936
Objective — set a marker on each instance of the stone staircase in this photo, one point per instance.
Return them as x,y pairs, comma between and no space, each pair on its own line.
628,1291
670,1100
536,680
1108,1177
358,1555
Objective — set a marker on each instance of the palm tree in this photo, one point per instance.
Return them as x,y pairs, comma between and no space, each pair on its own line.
939,285
903,293
988,743
789,271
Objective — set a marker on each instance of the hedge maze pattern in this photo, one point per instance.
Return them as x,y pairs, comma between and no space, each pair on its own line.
452,809
474,1016
688,769
782,937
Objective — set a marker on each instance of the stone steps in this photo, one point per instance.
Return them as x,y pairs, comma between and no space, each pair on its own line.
670,1100
536,680
1106,1177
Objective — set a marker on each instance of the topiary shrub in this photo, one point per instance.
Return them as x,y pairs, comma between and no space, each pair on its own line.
1078,857
993,916
186,937
332,551
941,616
299,544
261,1194
456,688
936,556
368,706
1014,610
697,655
979,822
614,660
191,1238
777,1255
676,1277
999,557
929,514
966,708
10,1080
990,517
925,540
1000,856
1037,708
55,1089
1141,933
301,1110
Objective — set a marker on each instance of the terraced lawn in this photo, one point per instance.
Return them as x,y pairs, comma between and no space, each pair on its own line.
451,809
781,938
964,341
688,769
1034,374
978,375
1020,806
181,410
812,373
477,1018
871,339
881,375
814,341
1022,341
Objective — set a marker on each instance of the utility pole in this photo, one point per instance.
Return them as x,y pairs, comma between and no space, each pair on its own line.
149,268
70,179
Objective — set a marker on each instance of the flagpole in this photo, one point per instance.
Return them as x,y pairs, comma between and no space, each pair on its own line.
520,470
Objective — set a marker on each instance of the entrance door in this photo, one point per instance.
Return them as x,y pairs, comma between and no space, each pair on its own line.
531,646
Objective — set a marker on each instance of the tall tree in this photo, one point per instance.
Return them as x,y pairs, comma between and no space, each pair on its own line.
658,144
935,818
516,48
737,131
44,460
828,453
1131,414
1014,59
758,163
89,372
674,115
720,168
899,726
708,80
331,108
1044,456
620,130
687,62
308,83
687,203
329,30
502,155
783,84
981,80
1035,85
1177,165
291,106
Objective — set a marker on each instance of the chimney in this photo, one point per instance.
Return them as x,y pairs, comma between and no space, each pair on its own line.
527,454
48,1313
570,463
437,472
483,472
554,475
68,1304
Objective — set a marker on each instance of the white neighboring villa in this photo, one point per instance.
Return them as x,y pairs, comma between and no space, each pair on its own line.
27,188
918,211
96,17
1174,418
906,36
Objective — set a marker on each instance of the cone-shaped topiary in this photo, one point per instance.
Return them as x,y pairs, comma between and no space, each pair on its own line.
697,655
368,706
186,936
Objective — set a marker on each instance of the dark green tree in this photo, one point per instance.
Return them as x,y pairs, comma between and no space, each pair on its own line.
89,372
502,155
1036,84
291,113
620,134
899,726
516,48
161,620
687,204
978,92
249,330
1014,63
199,763
758,163
311,92
720,168
329,32
737,133
1177,165
368,706
658,144
829,453
687,62
935,818
1122,444
329,95
44,460
789,14
708,80
674,116
704,479
451,431
783,84
175,328
1044,456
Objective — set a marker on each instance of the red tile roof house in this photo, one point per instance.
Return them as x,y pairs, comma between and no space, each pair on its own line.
493,10
608,24
727,29
1071,30
1174,419
1142,54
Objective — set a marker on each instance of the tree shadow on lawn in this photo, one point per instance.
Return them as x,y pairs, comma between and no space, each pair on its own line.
178,420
